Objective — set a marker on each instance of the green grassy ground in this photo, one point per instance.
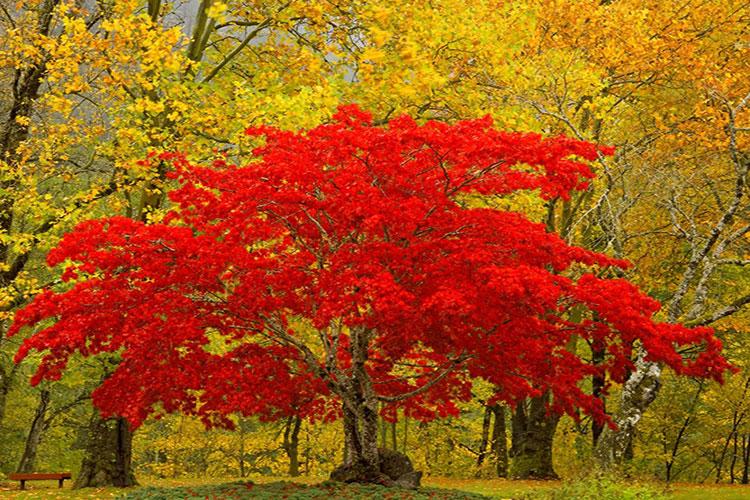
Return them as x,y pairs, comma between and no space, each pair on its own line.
493,488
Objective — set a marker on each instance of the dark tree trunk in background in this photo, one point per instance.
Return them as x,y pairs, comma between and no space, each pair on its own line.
498,443
745,458
108,453
406,434
307,451
6,379
383,433
533,431
734,461
597,385
291,443
36,432
394,444
485,438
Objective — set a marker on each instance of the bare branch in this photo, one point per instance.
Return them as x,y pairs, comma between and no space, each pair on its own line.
419,390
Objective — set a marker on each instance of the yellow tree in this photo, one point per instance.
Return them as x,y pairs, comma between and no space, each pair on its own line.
95,87
670,91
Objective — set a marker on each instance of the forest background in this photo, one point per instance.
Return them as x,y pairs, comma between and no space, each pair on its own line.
91,87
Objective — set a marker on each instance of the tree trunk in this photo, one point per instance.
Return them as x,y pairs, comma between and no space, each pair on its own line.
406,434
734,461
241,457
108,453
369,433
394,445
36,432
484,439
361,441
291,444
383,433
638,392
533,431
4,389
498,442
6,380
307,451
360,410
364,402
351,436
745,458
720,463
597,384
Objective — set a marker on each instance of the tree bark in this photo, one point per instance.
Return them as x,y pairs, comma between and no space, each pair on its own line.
734,461
638,392
108,454
745,458
383,433
6,380
36,432
484,441
533,430
406,434
4,389
351,436
361,441
597,385
360,411
394,445
498,442
291,443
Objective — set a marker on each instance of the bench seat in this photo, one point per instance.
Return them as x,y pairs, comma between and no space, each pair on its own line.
40,476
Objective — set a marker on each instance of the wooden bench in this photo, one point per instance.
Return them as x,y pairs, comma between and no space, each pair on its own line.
23,477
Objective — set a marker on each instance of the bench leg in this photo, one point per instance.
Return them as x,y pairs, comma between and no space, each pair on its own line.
60,483
23,484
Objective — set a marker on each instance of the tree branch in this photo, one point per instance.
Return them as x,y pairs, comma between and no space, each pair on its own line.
419,390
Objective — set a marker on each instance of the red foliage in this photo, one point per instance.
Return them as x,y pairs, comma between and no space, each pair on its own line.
231,303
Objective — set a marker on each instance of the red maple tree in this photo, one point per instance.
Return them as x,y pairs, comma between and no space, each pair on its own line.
347,269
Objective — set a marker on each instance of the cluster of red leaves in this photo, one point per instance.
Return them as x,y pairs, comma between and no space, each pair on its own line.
350,225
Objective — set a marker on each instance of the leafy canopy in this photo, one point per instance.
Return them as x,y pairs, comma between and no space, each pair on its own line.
244,297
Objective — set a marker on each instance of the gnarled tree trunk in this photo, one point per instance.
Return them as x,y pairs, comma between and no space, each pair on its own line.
108,453
498,441
36,432
362,458
533,430
361,412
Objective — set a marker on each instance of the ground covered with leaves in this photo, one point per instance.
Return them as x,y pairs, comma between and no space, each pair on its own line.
436,489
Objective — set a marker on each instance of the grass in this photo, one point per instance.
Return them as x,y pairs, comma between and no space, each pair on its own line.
274,487
493,488
710,492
